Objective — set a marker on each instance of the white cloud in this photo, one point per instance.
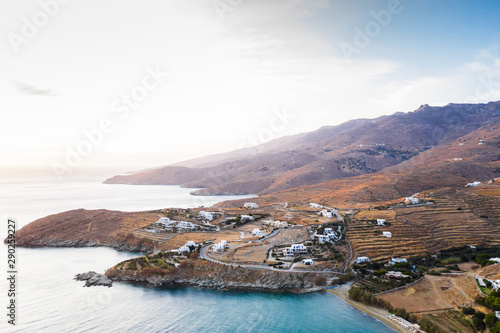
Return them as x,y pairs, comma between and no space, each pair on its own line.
225,78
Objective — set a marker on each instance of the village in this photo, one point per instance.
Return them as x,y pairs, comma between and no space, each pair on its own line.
372,245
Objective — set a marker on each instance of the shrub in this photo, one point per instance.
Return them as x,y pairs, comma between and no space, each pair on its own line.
451,260
478,324
490,319
479,314
468,311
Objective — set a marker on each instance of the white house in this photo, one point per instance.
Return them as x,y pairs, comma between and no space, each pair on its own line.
277,224
250,205
495,259
165,221
257,232
220,246
184,248
397,275
206,215
497,314
496,285
380,222
412,201
397,261
315,205
185,225
323,238
307,261
191,243
362,259
458,159
387,234
473,184
328,231
295,249
246,217
326,213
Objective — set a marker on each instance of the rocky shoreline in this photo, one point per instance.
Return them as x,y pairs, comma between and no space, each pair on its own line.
92,279
203,274
116,244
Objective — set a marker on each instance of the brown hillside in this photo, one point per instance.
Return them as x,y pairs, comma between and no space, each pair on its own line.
83,228
352,149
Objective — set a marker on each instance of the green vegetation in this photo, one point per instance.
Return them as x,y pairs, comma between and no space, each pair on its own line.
468,311
401,312
363,296
428,326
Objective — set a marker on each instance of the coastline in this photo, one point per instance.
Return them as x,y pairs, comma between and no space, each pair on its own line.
378,313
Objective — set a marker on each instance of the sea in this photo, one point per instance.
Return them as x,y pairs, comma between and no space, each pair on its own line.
47,299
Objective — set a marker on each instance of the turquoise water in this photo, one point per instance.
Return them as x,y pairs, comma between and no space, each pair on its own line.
49,300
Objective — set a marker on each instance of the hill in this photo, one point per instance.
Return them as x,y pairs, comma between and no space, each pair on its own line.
351,150
83,227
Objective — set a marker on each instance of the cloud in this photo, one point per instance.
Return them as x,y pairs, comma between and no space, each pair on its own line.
31,90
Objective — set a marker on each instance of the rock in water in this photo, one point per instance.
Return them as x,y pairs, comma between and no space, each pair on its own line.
94,279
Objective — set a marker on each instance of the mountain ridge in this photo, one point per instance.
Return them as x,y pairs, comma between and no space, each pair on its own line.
351,149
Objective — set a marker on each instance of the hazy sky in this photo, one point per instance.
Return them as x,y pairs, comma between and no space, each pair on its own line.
155,82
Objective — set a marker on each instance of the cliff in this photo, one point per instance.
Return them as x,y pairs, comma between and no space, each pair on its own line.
82,228
203,274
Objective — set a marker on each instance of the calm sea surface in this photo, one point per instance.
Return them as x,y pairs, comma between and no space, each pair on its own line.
49,300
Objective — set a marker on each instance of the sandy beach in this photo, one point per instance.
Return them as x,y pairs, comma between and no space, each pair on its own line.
376,312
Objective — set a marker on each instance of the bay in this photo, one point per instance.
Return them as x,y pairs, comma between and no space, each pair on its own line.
49,300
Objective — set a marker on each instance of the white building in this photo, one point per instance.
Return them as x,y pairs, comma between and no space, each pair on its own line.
495,259
295,249
397,261
277,224
411,201
246,217
307,261
495,285
185,225
165,221
473,184
323,238
380,222
397,275
362,259
387,234
220,246
315,205
326,213
257,232
184,248
191,243
206,215
328,231
250,205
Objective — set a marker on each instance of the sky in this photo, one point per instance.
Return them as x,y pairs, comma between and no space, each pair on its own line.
134,84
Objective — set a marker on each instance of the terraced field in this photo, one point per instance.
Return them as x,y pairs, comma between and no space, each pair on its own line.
372,285
456,218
